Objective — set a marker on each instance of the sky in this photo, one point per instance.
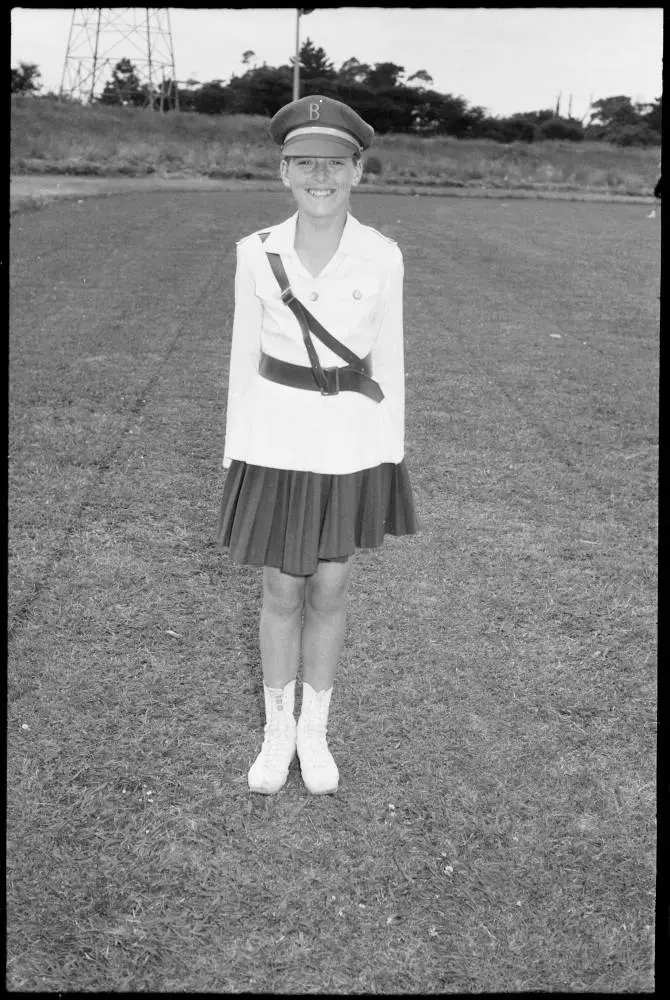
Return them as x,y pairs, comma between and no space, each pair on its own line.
501,59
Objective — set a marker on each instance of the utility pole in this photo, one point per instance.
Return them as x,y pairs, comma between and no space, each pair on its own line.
296,64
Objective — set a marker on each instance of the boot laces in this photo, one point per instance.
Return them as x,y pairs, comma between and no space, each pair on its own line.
277,742
313,744
313,728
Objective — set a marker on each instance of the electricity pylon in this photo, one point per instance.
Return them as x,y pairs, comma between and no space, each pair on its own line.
101,36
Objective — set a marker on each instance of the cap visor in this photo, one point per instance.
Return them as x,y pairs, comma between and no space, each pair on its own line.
304,145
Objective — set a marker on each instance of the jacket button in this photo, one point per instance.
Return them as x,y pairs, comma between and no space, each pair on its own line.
357,294
313,296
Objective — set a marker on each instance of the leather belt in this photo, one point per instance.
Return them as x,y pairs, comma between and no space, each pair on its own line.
344,378
355,376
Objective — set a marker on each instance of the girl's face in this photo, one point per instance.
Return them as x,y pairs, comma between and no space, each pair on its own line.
320,184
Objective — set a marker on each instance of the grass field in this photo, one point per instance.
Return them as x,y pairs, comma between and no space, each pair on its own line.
494,716
48,137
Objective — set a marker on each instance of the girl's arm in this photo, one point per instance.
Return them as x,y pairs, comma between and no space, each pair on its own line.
388,353
244,356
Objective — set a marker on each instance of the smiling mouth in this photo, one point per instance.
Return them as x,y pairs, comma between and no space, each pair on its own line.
320,193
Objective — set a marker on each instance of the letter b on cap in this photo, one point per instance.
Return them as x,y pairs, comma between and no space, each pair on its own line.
314,111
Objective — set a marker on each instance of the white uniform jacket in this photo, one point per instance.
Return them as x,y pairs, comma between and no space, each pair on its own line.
358,298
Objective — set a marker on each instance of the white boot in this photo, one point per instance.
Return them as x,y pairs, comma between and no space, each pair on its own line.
319,770
269,771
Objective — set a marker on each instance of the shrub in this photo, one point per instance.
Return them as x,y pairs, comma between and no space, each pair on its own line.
373,165
517,128
561,128
613,178
25,79
634,135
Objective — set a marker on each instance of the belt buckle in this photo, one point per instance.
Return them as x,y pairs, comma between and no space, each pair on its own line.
287,295
336,390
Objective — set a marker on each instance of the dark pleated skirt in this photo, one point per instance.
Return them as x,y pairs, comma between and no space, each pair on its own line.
291,520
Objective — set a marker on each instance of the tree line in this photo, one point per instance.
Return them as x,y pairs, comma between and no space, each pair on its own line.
383,94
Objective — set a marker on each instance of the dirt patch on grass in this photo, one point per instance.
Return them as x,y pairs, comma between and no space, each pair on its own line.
33,190
28,191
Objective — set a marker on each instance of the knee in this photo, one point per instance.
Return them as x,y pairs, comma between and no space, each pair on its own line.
282,594
326,596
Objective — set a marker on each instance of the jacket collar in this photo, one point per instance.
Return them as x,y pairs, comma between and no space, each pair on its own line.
282,237
355,241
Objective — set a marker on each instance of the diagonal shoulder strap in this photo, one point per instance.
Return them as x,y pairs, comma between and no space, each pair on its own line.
306,322
317,370
303,314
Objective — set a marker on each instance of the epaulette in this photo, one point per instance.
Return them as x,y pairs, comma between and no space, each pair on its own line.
259,232
383,236
389,239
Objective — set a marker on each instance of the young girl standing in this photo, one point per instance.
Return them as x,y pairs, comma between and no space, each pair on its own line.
314,442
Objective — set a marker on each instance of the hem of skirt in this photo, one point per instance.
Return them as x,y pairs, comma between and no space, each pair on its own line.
275,564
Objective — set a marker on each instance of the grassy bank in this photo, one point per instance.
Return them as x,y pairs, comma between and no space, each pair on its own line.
70,139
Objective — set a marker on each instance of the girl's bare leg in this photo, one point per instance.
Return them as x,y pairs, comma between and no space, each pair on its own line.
324,625
281,617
